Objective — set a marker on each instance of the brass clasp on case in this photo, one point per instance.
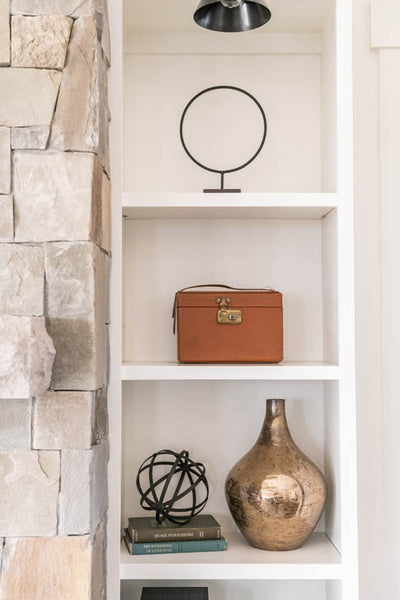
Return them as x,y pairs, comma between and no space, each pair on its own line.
227,316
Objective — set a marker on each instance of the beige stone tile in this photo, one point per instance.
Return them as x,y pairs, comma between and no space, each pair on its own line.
4,32
40,42
74,8
30,138
15,424
28,96
6,219
77,301
63,420
100,433
84,494
81,354
29,493
26,357
57,196
99,591
21,280
77,277
5,160
106,214
58,568
70,274
81,117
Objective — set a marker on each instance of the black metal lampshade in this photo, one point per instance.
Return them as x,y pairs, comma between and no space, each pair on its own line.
232,15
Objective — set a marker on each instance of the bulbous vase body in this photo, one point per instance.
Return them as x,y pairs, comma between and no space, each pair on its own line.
276,495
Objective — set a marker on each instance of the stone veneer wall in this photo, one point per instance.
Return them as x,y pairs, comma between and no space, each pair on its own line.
54,266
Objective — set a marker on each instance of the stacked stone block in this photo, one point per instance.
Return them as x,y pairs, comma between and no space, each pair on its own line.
54,295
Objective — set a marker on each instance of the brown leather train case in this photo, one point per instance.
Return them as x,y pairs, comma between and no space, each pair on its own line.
229,325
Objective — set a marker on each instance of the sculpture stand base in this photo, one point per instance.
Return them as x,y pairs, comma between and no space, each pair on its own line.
223,191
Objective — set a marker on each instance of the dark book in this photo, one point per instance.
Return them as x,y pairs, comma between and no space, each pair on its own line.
147,529
183,593
140,548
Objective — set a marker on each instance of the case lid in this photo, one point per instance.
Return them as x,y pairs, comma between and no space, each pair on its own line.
239,297
201,299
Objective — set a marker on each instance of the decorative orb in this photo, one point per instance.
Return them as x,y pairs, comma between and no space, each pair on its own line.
173,485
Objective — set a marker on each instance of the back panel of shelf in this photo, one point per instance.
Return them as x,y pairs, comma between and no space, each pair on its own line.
296,257
227,416
292,75
239,590
218,422
158,87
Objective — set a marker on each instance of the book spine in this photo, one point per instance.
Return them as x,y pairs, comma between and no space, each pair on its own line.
176,547
128,544
151,535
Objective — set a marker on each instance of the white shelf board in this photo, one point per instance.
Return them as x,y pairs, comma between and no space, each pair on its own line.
317,559
164,371
228,206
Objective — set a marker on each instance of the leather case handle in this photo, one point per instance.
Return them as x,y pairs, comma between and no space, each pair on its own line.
216,285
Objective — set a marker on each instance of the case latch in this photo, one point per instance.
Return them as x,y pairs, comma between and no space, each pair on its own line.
227,316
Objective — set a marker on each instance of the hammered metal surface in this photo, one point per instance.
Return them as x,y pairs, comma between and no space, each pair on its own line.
276,495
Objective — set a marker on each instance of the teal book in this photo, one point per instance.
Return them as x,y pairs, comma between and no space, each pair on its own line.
173,547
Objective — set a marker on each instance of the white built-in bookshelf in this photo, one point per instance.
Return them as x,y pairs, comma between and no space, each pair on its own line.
291,228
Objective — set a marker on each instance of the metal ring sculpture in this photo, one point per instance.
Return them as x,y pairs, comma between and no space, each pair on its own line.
162,491
222,172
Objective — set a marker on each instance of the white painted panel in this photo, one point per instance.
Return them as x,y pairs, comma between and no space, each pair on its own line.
385,24
284,371
370,430
333,590
114,391
162,257
163,15
346,387
239,590
389,61
217,422
332,462
330,287
329,122
229,206
317,559
206,42
159,87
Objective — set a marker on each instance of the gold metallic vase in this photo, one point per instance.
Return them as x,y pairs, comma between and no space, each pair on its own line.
276,495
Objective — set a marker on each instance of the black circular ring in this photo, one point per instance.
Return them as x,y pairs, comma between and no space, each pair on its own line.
223,87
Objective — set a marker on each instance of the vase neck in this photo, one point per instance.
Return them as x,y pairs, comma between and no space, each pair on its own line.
275,428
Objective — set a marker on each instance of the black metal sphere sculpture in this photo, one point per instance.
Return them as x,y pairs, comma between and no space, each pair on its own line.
166,478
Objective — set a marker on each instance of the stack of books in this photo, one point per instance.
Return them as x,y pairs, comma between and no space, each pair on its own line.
144,535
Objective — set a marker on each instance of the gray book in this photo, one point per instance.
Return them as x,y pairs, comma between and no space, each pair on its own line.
147,529
183,593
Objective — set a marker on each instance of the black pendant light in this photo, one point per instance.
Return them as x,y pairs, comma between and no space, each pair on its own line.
232,15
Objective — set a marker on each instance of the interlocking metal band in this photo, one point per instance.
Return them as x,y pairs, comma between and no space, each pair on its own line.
153,493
